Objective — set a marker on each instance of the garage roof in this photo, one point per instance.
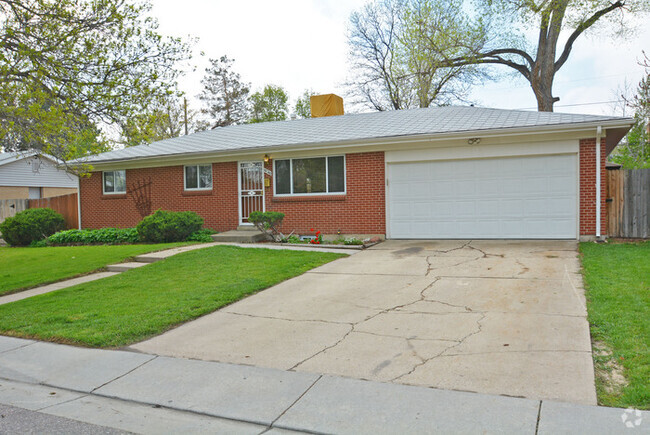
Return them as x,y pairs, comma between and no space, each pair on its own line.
349,128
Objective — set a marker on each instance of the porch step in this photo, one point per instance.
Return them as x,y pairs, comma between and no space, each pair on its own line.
239,236
247,228
123,267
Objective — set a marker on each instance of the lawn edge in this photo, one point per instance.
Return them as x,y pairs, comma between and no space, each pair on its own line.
101,269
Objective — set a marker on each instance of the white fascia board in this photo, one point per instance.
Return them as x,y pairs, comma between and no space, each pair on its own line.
582,130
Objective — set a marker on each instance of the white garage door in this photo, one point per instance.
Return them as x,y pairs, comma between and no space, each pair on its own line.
502,198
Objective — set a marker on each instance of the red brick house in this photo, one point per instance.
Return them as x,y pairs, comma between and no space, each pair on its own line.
444,172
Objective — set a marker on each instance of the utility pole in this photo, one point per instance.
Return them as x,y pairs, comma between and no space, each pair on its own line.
185,111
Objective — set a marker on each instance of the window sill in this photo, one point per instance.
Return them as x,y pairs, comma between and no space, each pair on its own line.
114,196
308,198
196,192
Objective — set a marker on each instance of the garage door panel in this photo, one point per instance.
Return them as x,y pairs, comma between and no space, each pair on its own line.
558,184
522,197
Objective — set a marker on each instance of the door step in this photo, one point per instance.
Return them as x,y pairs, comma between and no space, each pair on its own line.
240,236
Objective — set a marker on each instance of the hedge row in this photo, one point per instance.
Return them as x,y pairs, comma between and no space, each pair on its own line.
42,227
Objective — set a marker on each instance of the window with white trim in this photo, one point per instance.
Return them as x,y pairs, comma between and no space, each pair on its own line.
312,175
114,182
198,177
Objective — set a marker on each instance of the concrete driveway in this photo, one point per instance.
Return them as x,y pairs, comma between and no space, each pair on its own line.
499,317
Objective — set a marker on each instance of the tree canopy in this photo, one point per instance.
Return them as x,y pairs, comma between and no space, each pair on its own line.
399,50
634,151
302,106
224,94
165,119
558,24
270,104
69,66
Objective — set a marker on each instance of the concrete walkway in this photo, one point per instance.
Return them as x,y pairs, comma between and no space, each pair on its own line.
485,316
149,394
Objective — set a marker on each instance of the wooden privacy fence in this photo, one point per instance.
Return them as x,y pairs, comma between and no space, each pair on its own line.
9,207
628,203
65,204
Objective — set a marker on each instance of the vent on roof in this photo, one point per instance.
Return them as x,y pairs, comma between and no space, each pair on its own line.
326,105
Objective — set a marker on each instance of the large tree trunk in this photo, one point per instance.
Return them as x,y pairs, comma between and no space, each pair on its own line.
543,70
542,85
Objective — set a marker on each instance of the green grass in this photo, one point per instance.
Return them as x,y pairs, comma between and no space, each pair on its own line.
617,279
143,302
22,268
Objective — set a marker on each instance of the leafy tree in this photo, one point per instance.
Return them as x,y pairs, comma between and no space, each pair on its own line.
302,108
164,120
68,66
399,51
634,151
224,94
269,105
558,24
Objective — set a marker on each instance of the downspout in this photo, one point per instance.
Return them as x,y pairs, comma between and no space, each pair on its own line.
79,200
599,132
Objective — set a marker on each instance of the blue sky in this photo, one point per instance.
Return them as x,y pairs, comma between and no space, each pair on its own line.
301,44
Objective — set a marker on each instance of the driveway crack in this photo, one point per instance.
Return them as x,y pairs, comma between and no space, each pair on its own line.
288,320
424,361
353,325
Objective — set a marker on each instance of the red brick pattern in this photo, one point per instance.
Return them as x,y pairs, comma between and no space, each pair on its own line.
588,187
218,206
361,210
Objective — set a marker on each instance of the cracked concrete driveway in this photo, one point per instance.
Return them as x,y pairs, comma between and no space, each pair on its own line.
499,317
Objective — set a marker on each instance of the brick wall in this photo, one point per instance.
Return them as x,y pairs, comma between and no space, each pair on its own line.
588,187
362,210
218,206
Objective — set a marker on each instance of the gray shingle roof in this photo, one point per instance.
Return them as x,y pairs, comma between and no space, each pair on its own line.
334,129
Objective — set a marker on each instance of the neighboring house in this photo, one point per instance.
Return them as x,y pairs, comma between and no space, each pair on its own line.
444,172
32,176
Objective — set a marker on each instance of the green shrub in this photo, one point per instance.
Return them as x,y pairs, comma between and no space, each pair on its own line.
31,225
202,235
169,226
268,222
104,236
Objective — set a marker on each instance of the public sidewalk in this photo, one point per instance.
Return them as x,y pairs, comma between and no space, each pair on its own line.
151,394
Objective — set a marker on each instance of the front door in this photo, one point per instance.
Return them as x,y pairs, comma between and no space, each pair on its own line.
251,189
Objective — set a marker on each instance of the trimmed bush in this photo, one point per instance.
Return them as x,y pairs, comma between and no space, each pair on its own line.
104,236
268,222
31,225
169,226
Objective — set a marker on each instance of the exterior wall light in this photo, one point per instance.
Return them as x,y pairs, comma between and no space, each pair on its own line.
266,158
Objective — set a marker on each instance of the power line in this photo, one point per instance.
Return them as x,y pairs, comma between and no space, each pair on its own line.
578,104
584,79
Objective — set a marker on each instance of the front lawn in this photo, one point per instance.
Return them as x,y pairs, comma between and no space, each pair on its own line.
22,268
140,303
617,281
